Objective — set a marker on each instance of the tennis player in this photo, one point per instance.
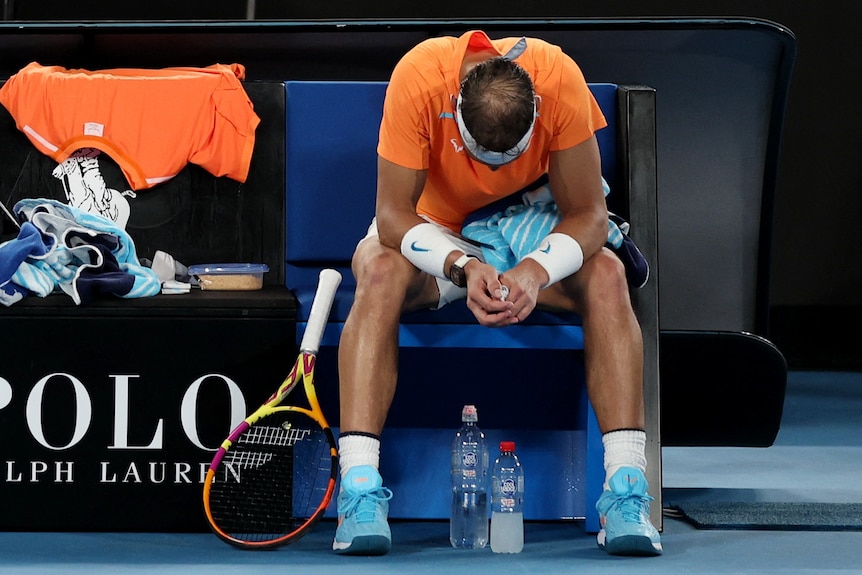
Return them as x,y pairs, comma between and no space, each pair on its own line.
467,121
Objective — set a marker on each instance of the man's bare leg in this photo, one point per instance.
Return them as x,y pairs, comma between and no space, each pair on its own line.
613,354
387,284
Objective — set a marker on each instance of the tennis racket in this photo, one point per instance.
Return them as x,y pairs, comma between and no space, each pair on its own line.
272,478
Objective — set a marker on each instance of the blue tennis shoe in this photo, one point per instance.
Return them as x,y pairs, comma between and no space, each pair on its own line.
624,516
363,507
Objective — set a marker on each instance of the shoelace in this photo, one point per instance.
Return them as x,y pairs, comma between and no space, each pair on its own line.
632,505
364,503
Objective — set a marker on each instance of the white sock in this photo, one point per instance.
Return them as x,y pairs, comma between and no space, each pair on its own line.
356,449
624,448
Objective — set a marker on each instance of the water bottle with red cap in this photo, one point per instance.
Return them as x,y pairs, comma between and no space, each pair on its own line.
507,501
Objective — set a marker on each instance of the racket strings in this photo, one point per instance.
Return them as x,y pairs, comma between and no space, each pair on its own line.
273,479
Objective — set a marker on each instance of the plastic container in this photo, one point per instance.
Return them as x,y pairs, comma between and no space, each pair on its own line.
229,277
468,521
507,501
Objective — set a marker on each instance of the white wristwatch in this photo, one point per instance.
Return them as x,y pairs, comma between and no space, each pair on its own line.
456,273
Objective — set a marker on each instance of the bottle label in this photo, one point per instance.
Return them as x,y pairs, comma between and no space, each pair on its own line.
508,486
470,460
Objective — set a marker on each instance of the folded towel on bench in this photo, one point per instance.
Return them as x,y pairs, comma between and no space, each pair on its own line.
508,235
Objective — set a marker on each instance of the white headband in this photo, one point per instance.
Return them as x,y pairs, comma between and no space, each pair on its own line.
483,154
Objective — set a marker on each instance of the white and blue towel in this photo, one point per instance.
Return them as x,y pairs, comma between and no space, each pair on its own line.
60,247
507,236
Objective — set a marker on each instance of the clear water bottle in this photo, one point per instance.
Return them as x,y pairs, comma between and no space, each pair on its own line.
468,525
507,501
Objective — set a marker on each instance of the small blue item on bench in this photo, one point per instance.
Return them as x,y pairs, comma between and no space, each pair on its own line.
331,174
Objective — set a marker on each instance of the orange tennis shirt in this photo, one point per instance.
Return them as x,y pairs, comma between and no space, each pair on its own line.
419,131
151,122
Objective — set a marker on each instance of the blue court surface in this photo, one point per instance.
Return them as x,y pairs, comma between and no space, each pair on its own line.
816,458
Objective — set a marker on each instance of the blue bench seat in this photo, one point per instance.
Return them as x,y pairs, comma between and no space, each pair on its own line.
331,160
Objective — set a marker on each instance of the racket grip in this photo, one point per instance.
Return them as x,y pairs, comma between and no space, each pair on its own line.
328,283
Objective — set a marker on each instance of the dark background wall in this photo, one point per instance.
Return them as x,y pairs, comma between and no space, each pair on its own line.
816,267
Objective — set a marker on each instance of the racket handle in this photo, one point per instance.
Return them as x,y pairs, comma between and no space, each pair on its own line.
329,281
